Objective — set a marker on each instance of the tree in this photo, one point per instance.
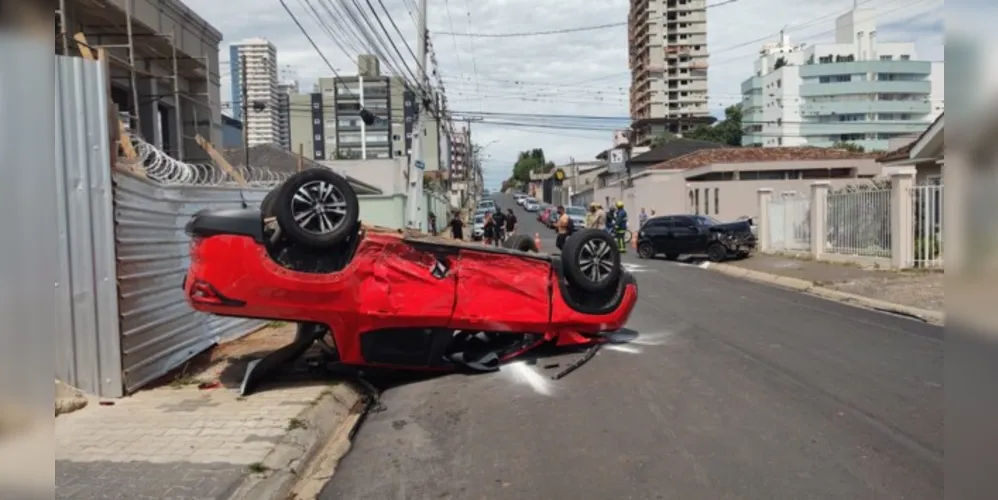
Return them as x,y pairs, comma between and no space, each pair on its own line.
530,161
727,131
663,139
849,146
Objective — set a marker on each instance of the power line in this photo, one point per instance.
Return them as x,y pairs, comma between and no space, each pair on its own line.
563,30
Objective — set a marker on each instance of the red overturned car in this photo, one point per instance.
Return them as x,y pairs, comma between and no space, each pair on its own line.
399,299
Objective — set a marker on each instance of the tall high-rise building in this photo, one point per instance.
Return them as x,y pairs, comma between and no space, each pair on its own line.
856,90
284,92
262,96
668,59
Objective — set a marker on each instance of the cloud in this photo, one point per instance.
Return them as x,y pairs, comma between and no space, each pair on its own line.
583,73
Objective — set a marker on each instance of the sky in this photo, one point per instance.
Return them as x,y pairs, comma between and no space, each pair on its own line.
576,73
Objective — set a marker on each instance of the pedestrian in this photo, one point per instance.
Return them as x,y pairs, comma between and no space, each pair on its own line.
591,215
642,218
510,223
599,217
620,227
653,212
611,217
457,226
488,229
564,226
433,223
499,222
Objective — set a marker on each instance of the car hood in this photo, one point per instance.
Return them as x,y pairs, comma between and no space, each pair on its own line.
741,226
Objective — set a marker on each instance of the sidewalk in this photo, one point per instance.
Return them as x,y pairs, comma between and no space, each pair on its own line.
182,441
918,289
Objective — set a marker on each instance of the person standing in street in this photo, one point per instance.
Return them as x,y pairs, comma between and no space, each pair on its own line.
488,229
620,227
432,223
563,226
591,215
499,222
599,218
642,218
510,223
457,226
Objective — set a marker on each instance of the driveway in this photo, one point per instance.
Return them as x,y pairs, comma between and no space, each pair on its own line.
730,389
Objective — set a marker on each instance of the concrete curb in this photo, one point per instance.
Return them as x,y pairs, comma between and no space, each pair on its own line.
333,414
933,317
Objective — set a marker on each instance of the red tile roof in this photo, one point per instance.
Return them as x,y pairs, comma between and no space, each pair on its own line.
755,155
904,152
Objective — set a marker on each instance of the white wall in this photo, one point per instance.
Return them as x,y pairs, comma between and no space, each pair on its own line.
388,175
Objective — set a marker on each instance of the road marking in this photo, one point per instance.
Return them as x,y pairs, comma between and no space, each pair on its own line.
633,268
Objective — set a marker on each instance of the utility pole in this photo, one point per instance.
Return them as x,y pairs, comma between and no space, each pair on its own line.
418,166
245,86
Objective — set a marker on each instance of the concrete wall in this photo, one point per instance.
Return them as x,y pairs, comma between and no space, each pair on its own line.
672,192
383,210
388,175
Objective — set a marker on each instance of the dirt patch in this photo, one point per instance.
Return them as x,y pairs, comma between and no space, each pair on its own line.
226,363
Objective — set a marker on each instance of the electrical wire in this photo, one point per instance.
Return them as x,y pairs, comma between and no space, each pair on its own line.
563,30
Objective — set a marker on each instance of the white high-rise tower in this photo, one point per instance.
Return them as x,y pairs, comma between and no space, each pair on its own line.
262,95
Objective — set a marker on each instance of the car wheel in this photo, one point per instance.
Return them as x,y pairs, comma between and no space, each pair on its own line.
717,253
671,256
591,260
521,242
317,208
646,250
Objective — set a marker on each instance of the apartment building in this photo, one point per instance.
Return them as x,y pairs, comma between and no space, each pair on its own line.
172,94
262,100
667,46
284,92
855,90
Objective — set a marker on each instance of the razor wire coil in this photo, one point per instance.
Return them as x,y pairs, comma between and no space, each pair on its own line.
160,167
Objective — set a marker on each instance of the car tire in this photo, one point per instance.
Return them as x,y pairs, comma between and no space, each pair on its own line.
672,256
646,250
521,242
296,207
591,261
717,253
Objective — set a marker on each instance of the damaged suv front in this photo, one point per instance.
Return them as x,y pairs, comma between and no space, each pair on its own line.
736,238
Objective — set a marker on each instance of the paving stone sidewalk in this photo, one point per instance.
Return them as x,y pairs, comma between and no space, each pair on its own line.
921,289
178,441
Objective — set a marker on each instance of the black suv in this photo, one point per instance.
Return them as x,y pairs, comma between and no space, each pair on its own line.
675,235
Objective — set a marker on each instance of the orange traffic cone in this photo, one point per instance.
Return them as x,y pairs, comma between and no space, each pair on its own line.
537,241
634,240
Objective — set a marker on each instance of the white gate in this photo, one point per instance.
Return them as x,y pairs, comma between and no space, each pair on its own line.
789,223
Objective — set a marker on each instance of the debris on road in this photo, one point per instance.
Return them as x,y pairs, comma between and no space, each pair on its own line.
578,363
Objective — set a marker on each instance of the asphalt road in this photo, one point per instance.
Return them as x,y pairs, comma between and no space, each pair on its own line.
731,390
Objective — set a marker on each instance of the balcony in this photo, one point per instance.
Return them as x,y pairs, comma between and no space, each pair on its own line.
865,87
865,127
919,107
864,67
752,101
749,84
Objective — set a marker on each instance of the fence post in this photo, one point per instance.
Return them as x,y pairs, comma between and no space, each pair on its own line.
819,217
902,220
765,196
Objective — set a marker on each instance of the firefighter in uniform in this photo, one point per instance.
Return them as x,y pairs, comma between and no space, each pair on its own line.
620,226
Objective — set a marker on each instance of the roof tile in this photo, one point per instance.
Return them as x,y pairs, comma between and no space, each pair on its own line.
754,155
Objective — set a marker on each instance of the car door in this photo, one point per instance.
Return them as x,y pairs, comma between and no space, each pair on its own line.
655,231
686,235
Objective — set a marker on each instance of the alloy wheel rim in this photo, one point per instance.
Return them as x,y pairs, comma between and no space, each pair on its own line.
319,207
595,260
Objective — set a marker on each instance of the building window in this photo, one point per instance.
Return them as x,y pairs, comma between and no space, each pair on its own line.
905,57
717,201
886,58
706,201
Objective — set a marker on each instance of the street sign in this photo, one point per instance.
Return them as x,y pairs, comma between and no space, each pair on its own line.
618,160
420,165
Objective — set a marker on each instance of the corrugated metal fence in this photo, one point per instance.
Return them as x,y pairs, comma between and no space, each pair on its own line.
159,331
87,340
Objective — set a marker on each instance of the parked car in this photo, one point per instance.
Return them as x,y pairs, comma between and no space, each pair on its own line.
675,235
542,215
478,229
531,205
520,198
304,257
487,204
578,216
